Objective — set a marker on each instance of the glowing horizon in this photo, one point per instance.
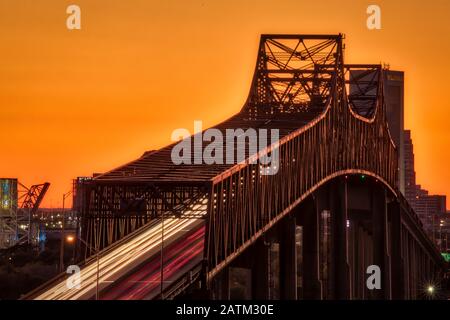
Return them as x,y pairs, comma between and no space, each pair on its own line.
84,101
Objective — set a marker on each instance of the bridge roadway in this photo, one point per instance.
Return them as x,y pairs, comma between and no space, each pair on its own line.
144,283
183,249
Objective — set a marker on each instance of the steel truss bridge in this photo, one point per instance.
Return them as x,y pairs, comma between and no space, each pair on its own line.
309,231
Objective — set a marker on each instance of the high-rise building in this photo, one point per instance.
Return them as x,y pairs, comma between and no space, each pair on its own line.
393,94
431,209
410,174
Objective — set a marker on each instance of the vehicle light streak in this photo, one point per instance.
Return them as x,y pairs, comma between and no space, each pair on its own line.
144,282
121,260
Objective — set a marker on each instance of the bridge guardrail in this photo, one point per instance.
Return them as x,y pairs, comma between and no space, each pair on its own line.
184,282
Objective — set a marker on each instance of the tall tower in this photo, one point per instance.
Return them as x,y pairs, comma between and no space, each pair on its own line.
394,97
393,94
410,173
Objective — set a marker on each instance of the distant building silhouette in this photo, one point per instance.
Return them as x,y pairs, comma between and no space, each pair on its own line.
431,209
410,173
394,97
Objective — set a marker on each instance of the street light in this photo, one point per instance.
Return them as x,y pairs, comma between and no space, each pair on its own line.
63,230
71,239
430,290
441,224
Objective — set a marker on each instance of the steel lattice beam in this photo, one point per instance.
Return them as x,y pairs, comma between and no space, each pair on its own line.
332,122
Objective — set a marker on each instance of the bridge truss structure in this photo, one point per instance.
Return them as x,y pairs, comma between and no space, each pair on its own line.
331,118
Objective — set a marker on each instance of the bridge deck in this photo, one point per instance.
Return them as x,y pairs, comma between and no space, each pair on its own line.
138,255
157,166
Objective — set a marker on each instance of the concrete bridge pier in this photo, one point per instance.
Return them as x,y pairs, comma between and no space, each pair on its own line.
380,238
340,275
288,258
248,277
260,270
309,218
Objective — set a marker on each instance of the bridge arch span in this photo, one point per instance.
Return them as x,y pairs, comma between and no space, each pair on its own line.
336,140
347,134
322,246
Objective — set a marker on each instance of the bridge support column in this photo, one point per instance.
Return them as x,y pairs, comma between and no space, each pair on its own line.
223,285
397,271
288,259
260,271
339,255
380,242
312,287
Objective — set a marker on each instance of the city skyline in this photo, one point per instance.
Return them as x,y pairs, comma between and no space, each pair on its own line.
138,92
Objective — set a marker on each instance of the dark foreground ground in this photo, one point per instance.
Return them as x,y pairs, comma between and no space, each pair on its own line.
24,268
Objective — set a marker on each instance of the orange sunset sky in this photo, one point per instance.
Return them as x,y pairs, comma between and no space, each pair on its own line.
74,102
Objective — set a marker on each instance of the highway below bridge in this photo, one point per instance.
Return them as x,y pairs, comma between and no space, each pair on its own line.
141,253
330,210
